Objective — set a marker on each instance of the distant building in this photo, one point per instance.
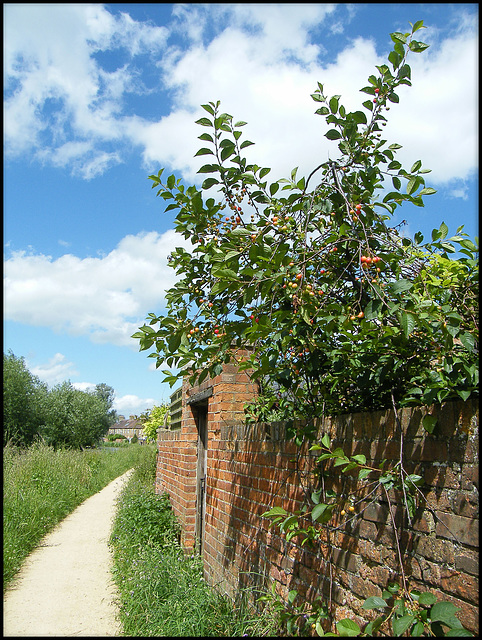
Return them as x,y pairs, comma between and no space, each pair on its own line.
127,428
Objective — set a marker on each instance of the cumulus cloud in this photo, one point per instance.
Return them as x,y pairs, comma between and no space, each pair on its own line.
104,297
133,405
68,107
57,93
55,371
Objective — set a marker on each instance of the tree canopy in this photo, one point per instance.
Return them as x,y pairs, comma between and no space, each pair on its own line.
342,311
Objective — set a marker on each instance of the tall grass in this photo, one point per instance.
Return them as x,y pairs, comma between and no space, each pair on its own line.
41,486
162,591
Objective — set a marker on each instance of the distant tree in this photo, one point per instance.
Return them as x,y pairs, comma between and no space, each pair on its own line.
134,439
156,419
74,418
22,401
107,395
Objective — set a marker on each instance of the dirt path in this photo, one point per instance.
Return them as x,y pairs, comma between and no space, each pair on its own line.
65,587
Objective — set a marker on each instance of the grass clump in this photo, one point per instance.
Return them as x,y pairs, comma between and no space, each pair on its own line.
41,486
163,591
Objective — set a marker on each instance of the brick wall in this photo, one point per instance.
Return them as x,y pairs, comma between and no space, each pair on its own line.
252,468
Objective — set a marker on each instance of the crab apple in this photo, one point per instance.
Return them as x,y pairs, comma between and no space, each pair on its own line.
377,90
361,315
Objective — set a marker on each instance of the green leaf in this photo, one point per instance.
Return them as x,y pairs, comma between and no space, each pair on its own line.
204,152
209,182
325,441
413,185
429,423
359,458
333,104
459,633
364,473
204,122
359,117
208,108
427,598
398,37
400,625
399,286
372,627
445,612
322,512
443,231
418,25
427,191
246,143
374,602
418,47
208,168
274,512
333,134
347,627
468,340
407,322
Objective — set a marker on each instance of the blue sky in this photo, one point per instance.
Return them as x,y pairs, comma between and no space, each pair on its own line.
98,96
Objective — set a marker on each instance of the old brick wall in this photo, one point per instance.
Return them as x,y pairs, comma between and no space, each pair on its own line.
252,468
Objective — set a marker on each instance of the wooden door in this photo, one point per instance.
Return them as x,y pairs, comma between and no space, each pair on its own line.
202,452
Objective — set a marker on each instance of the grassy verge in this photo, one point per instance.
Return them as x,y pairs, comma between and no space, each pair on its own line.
42,486
162,591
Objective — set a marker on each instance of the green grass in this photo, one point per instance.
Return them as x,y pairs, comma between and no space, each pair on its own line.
42,486
162,591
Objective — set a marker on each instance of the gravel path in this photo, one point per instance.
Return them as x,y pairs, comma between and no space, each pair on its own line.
65,586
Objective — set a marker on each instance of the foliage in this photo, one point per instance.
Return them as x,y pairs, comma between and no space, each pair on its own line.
107,394
74,418
22,400
62,416
157,418
42,485
116,436
340,310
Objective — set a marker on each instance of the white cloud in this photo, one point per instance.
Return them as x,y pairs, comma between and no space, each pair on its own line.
84,386
258,80
55,371
104,298
55,88
133,405
261,60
